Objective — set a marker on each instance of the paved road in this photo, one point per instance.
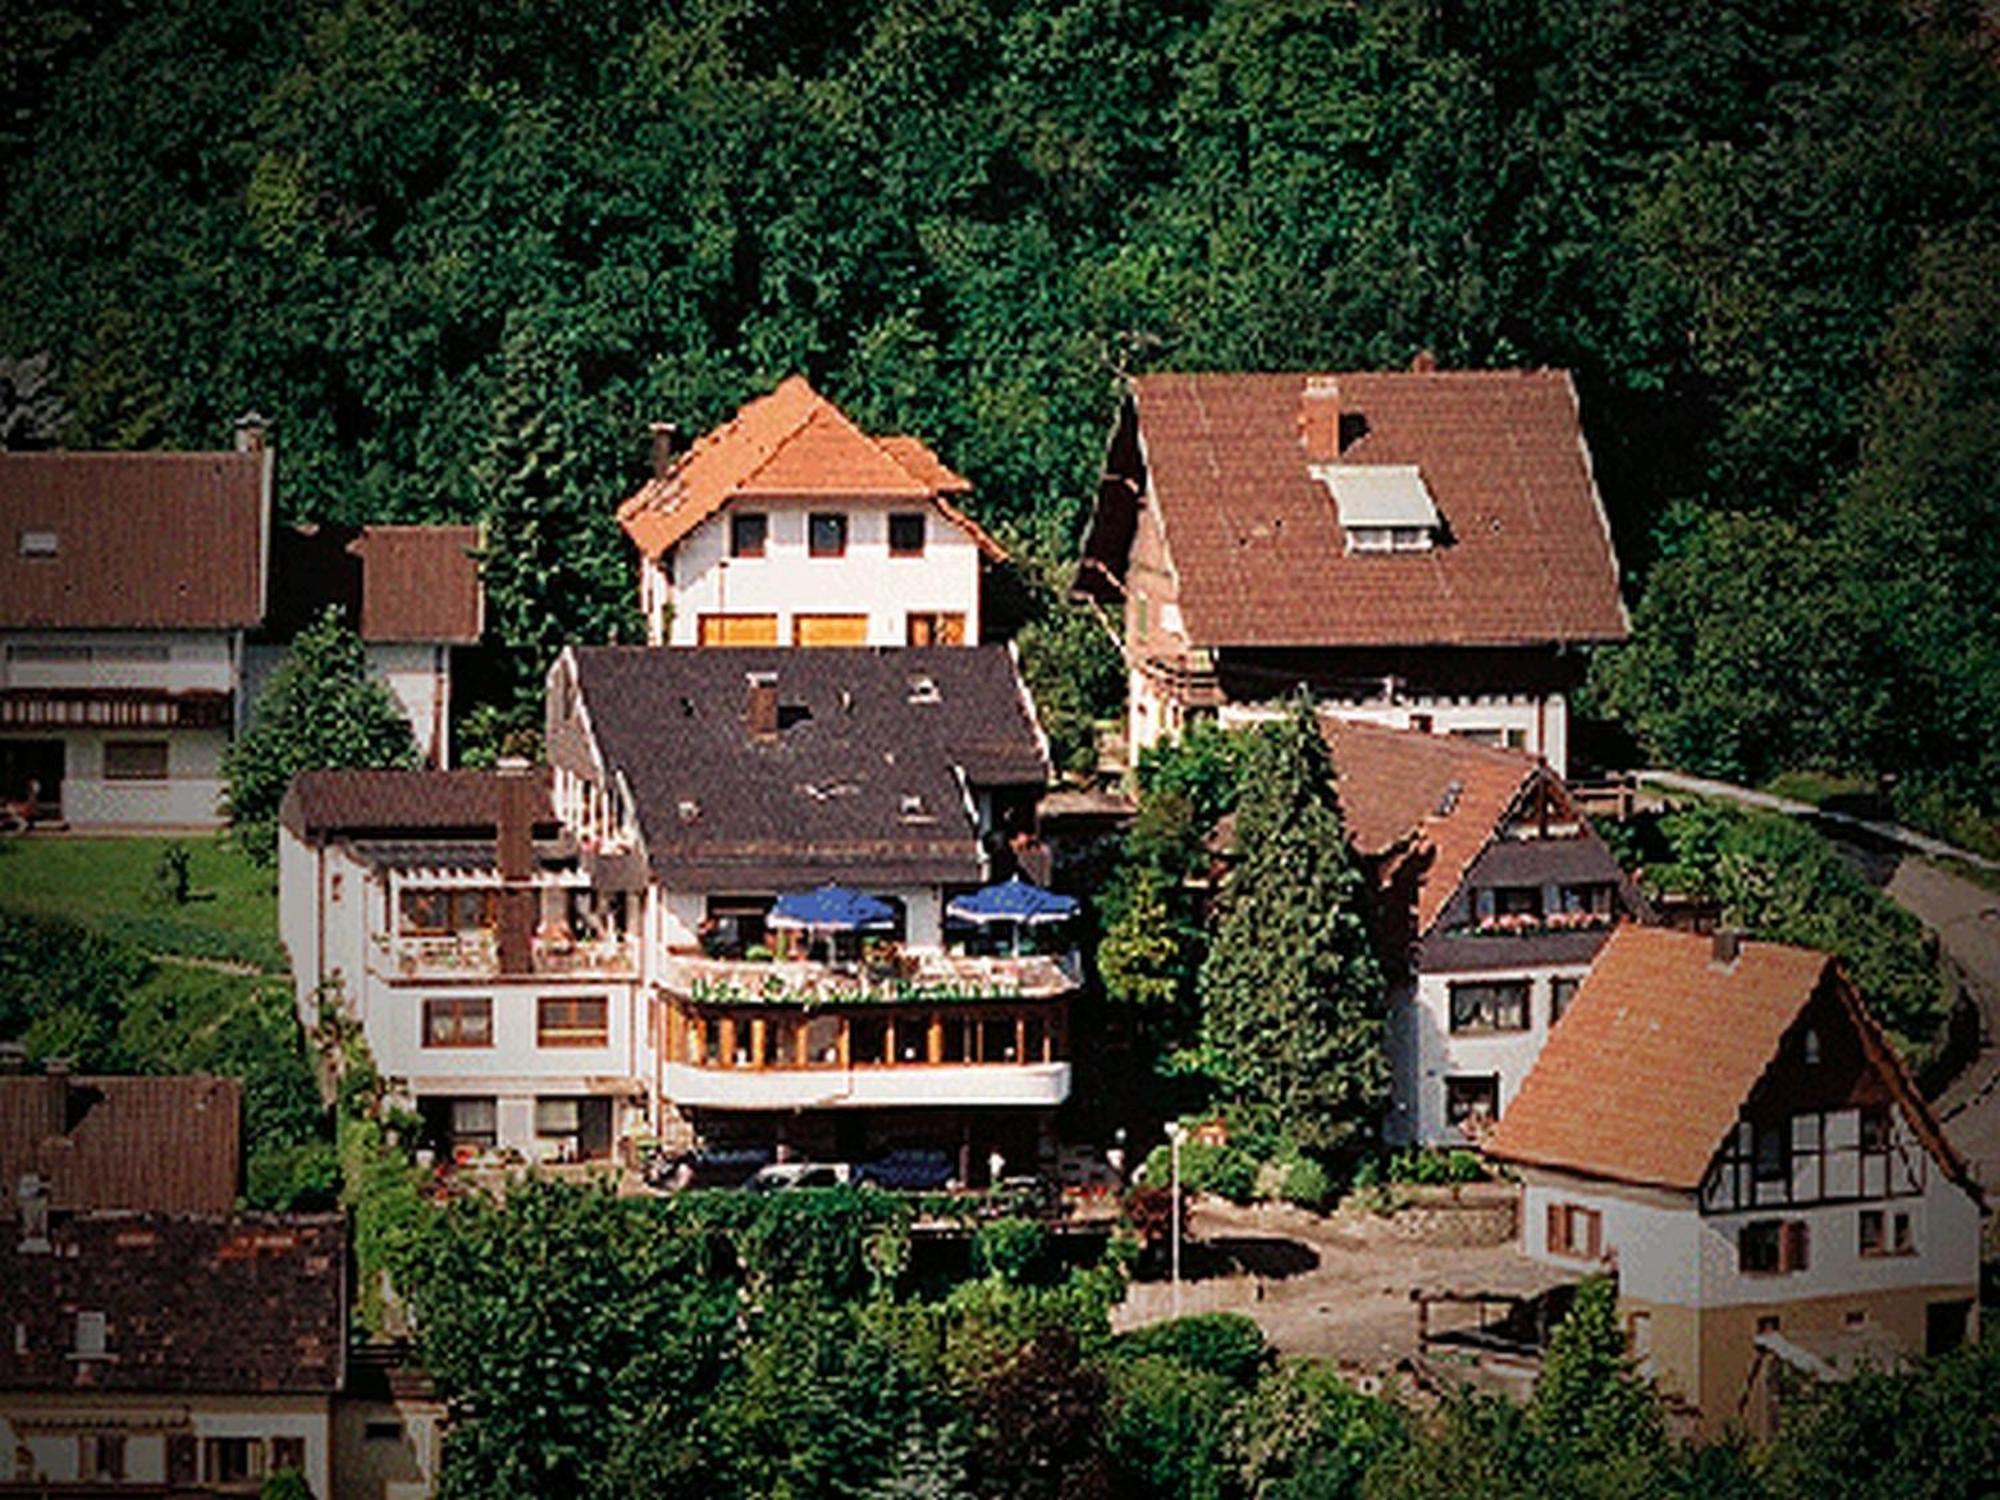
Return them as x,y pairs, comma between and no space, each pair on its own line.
1895,833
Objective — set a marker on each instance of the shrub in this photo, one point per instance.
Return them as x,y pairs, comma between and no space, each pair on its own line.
1012,1249
1226,1344
1308,1184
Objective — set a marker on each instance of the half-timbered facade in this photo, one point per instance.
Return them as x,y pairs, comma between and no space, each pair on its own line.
1723,1124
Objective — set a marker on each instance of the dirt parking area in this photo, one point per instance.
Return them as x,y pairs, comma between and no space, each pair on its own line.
1334,1286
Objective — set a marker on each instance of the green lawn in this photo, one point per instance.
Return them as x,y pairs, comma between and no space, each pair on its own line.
108,885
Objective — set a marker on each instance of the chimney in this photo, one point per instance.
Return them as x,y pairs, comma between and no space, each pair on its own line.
518,787
32,1194
1728,947
56,1074
250,433
1319,419
13,1059
761,709
666,443
1425,363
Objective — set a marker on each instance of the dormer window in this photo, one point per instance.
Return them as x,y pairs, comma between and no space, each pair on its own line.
37,543
1382,507
90,1333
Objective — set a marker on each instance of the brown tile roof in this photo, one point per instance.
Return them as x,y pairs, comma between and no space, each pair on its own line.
1439,797
862,730
167,1144
1661,1048
144,541
420,583
791,444
1257,543
437,804
244,1305
393,583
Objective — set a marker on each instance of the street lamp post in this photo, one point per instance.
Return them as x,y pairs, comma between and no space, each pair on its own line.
1175,1131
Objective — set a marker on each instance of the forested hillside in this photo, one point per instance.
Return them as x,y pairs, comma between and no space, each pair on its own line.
460,252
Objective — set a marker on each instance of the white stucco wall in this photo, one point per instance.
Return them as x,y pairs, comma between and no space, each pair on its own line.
786,581
1654,1237
189,797
854,1088
1424,1052
195,660
53,1454
419,678
1535,724
395,1021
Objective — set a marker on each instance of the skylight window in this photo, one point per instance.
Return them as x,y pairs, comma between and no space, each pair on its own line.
37,543
1382,507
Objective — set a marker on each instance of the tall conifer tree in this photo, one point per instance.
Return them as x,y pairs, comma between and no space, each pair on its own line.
1291,993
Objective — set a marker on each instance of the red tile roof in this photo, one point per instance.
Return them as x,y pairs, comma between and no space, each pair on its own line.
1258,546
791,444
170,1145
144,541
1659,1051
244,1305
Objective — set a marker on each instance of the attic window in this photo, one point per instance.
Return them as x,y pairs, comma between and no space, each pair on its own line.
1447,802
37,543
924,690
689,809
914,810
90,1335
1382,507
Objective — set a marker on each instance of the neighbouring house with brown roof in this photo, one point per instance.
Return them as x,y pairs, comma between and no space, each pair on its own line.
144,598
1723,1124
128,585
789,525
412,593
151,1144
183,1354
1425,549
1492,896
492,975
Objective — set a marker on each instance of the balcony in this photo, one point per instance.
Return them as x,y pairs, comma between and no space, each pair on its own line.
476,954
912,978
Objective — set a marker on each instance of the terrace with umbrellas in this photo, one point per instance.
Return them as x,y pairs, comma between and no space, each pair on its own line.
823,979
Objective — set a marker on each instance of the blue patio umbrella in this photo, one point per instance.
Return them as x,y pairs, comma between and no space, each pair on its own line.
1013,901
831,908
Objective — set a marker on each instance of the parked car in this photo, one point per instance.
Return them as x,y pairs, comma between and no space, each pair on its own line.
783,1176
706,1169
908,1170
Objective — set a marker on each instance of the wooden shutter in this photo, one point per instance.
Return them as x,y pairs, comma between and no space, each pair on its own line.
738,630
1593,1229
829,630
181,1453
1793,1255
1558,1229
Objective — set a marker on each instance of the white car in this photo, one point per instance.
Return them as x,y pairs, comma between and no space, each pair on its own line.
783,1176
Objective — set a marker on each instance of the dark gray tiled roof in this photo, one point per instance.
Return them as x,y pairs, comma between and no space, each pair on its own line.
865,781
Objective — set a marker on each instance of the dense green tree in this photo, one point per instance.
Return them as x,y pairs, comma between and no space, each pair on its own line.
1588,1402
1308,1434
1291,994
321,710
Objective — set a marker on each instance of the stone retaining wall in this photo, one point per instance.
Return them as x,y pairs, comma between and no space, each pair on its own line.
1473,1213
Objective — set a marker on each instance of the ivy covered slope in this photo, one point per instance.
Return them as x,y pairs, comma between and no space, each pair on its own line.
460,253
